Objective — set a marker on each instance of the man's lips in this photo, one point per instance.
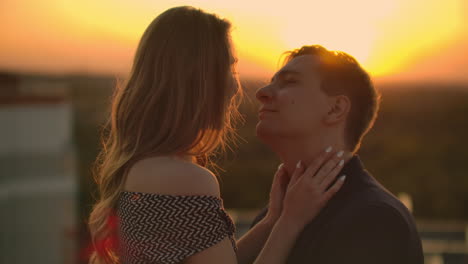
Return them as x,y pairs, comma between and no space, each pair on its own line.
264,111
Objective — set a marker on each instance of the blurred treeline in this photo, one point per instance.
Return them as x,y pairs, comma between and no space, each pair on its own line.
417,146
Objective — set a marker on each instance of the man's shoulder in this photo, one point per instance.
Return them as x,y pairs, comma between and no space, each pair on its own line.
375,199
370,232
377,202
383,217
377,210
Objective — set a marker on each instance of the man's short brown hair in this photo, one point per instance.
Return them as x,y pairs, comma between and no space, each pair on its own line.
340,73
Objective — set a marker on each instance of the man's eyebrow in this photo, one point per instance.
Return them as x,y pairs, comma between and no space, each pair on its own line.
282,73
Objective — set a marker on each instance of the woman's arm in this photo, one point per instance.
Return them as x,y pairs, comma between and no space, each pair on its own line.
252,242
279,243
250,245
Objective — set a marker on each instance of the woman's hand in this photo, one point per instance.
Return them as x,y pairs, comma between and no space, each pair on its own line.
307,191
277,192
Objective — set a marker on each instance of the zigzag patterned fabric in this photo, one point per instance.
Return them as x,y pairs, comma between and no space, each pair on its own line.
166,229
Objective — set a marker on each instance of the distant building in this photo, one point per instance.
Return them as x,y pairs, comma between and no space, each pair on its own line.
38,175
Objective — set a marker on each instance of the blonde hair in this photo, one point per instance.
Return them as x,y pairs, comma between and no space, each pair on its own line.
180,99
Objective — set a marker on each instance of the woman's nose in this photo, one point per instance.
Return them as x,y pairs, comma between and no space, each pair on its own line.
263,94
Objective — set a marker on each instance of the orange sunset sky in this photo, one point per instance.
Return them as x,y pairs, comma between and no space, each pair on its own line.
410,40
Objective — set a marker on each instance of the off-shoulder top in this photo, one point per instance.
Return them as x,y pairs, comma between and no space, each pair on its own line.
156,228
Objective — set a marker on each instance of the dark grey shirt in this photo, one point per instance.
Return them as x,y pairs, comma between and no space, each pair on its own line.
363,223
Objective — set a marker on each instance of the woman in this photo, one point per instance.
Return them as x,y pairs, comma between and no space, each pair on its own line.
158,203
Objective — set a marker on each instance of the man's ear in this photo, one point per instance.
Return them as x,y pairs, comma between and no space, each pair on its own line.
340,106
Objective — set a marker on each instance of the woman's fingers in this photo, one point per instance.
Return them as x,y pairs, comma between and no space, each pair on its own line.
298,171
276,179
321,172
277,192
305,196
334,189
334,164
318,162
281,178
278,174
331,176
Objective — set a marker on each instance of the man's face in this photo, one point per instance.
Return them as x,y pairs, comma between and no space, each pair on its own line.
293,104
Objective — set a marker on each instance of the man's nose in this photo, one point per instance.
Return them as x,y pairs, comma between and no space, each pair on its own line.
264,94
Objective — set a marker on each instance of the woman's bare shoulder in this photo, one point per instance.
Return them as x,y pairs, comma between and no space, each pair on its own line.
166,175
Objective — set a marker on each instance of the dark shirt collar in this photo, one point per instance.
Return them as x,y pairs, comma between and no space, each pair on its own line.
356,176
353,166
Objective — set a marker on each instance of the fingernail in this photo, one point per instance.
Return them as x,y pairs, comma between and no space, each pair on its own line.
341,163
342,178
280,166
298,165
339,154
328,149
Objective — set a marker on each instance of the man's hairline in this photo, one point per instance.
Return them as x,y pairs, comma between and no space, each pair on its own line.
284,68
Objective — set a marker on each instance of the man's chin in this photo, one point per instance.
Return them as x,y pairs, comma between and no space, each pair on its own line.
265,132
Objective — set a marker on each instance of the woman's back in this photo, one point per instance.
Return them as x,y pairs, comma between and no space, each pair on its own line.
170,211
179,99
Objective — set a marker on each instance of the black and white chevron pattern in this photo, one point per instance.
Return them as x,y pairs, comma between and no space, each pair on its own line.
166,229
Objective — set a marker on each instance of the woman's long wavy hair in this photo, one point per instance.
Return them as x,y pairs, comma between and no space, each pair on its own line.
181,98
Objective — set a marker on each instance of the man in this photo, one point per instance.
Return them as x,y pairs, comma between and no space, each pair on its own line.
324,98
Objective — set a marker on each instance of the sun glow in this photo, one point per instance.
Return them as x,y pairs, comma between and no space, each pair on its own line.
386,37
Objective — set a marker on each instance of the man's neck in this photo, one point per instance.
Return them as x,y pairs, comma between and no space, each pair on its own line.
295,149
